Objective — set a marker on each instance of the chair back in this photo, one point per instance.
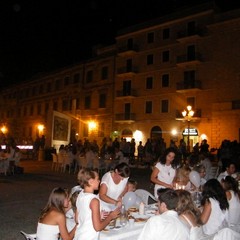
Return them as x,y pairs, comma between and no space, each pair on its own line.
144,195
29,236
214,172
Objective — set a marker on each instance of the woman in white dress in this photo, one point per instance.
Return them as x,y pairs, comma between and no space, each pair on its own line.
189,214
230,185
164,171
113,187
88,208
214,216
52,221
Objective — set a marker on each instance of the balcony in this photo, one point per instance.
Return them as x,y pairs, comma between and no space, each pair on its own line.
187,59
127,51
127,72
132,93
196,117
183,87
125,117
185,36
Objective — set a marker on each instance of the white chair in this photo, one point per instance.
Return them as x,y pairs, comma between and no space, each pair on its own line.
214,172
67,162
29,236
60,157
54,161
144,195
227,234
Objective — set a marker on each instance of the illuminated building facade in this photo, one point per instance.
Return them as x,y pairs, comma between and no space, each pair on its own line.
140,86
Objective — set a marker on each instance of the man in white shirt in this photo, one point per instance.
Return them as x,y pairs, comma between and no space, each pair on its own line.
167,225
230,171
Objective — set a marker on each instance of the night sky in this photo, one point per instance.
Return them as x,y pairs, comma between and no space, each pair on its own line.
39,36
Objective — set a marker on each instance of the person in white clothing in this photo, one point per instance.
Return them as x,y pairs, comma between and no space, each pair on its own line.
230,171
164,171
88,213
52,221
113,187
167,225
230,185
214,216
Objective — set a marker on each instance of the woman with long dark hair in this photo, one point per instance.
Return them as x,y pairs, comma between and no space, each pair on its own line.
214,216
164,171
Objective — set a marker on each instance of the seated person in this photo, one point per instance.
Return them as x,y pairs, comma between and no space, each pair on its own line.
230,171
131,185
167,224
52,221
182,180
202,172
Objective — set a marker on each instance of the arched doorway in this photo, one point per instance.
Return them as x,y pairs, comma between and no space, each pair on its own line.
156,133
127,133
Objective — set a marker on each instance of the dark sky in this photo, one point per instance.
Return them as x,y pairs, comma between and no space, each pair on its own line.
38,36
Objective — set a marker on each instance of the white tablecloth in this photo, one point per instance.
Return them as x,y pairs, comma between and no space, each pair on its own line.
124,233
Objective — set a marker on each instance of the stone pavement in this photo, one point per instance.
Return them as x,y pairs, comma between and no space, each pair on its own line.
23,195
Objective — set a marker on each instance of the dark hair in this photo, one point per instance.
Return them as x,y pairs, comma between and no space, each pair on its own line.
213,189
123,170
229,183
133,182
175,161
169,197
55,200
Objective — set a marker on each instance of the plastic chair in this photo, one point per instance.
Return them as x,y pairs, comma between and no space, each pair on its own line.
213,172
54,161
29,236
144,195
227,234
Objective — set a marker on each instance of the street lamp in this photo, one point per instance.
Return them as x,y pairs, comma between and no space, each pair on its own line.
188,114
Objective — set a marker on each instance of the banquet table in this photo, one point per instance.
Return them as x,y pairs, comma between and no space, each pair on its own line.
128,232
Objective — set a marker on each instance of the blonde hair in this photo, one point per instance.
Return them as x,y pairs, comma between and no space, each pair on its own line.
84,175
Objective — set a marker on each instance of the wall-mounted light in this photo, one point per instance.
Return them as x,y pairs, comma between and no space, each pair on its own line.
4,129
92,125
40,128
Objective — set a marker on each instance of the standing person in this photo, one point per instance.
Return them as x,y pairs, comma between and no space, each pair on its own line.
230,185
167,224
214,216
88,208
113,186
52,221
140,151
164,171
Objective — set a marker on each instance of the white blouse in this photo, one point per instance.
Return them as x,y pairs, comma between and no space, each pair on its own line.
234,209
46,231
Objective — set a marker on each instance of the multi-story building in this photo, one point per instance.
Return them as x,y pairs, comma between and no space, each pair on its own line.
140,86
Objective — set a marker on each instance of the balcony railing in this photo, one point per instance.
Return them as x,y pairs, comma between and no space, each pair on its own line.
125,117
127,72
124,93
197,33
194,85
189,59
127,50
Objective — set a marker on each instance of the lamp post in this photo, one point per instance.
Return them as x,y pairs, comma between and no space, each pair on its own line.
188,114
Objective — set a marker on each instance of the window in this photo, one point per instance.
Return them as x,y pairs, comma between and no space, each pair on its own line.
164,106
39,109
150,37
65,105
49,87
127,88
87,102
130,44
31,111
129,65
46,108
189,79
57,84
149,83
77,103
166,33
55,106
148,107
34,91
102,100
89,77
150,59
41,89
165,56
25,111
66,81
104,74
76,78
236,104
165,80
